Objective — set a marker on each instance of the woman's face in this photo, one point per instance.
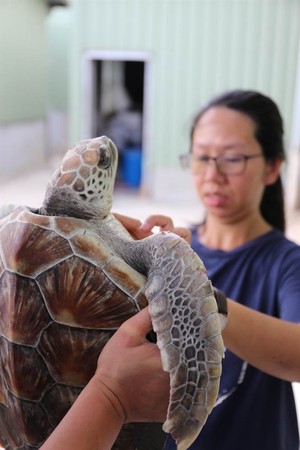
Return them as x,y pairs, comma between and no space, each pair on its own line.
228,133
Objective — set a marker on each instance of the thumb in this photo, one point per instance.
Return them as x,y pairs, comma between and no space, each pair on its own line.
138,325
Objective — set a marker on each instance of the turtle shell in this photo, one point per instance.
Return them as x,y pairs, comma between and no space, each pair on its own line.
63,294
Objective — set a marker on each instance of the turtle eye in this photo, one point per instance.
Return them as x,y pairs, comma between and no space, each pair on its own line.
104,157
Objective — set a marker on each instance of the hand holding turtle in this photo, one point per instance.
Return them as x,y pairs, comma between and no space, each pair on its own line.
129,385
130,367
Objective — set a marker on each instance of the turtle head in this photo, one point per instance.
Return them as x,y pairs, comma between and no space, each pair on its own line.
82,186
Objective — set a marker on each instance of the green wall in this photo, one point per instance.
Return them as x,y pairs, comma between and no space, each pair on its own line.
58,61
22,60
198,48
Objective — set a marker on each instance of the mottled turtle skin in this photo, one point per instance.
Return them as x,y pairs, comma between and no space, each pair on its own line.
70,274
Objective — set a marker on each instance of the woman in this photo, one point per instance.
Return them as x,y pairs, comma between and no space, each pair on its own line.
235,158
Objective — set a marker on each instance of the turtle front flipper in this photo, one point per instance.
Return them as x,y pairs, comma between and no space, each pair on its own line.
185,318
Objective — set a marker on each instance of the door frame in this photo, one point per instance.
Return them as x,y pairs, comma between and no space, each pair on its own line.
294,144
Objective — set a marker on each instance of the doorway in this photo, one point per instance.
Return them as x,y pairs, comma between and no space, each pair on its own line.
116,103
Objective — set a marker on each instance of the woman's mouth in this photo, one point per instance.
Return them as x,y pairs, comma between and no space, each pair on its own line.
214,199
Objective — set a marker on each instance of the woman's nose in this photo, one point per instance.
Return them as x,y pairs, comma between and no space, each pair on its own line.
212,170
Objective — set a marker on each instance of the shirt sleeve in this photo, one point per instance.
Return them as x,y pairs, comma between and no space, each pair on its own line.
289,285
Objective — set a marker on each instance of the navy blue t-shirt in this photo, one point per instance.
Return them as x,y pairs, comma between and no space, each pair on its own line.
254,411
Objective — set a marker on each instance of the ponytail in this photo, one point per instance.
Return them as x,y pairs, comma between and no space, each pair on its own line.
272,205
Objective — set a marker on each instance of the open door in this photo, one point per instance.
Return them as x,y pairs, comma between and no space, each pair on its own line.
115,103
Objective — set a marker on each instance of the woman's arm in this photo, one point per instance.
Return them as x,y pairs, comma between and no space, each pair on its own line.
269,344
129,386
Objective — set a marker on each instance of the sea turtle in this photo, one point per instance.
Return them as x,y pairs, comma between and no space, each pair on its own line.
70,274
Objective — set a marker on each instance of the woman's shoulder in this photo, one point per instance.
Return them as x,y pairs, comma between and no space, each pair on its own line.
280,241
273,244
274,252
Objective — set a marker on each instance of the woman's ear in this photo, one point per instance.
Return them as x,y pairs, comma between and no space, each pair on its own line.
272,171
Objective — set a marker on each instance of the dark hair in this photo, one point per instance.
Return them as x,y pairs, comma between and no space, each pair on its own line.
268,132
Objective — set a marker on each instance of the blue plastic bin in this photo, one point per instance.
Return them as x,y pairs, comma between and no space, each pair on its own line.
132,167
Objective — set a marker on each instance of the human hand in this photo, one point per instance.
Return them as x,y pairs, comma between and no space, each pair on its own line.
141,230
130,370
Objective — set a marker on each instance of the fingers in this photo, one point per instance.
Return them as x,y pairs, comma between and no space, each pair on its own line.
141,230
129,223
131,334
184,233
131,368
138,325
133,226
165,223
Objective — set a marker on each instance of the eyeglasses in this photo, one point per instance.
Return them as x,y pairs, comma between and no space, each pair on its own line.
226,165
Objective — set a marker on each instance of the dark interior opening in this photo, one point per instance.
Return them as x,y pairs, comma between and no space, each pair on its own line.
119,106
